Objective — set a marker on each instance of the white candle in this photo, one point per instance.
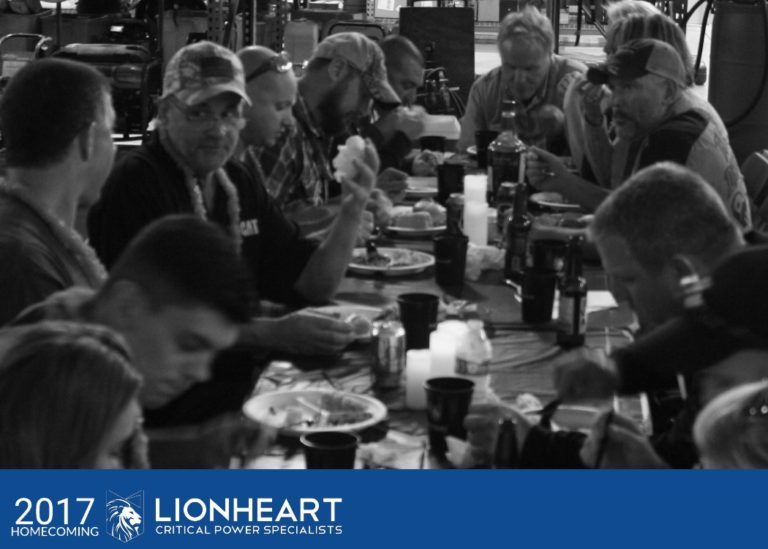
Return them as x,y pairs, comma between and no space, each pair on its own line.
475,188
476,222
442,347
417,371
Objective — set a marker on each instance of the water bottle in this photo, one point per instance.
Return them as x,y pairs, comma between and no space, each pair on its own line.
473,360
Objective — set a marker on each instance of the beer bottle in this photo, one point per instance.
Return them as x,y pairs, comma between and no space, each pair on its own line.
572,307
454,207
506,454
504,152
518,228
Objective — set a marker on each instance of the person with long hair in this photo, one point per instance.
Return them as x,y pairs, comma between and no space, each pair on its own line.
68,399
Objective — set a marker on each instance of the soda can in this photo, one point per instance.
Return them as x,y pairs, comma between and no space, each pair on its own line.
388,349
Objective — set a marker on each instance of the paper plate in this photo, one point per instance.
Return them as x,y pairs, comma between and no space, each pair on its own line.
343,312
402,262
409,232
553,202
284,411
421,187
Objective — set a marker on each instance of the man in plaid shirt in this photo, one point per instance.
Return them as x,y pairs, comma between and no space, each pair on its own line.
343,77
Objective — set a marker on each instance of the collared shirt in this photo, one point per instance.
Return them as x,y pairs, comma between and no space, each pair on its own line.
488,93
297,167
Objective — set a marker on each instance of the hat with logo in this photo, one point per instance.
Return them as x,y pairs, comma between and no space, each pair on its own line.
203,70
637,58
364,56
724,313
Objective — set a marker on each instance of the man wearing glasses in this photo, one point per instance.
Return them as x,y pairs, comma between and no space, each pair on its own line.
345,75
186,167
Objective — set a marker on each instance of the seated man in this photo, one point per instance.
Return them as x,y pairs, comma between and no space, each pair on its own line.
178,295
647,242
719,343
56,120
186,168
530,73
648,77
393,131
346,73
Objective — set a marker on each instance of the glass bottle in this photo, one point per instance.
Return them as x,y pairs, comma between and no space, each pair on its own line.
572,307
518,229
506,454
505,151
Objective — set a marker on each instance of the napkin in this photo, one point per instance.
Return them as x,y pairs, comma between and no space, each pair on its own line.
481,258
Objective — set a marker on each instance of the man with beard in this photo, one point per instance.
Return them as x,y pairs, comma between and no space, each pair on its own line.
186,167
345,74
647,78
530,73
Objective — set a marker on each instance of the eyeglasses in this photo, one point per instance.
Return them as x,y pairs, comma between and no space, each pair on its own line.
204,117
278,63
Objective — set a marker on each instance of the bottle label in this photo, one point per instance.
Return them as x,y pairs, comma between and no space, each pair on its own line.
472,368
572,315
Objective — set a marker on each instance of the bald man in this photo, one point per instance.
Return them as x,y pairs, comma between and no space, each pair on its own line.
271,86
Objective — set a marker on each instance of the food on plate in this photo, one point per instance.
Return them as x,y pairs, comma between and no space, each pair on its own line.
564,220
425,214
433,209
555,198
413,220
426,162
329,410
387,258
354,148
361,325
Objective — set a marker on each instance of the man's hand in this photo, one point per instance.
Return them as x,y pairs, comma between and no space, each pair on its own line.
408,120
482,425
594,99
356,191
585,375
306,333
394,183
625,447
545,171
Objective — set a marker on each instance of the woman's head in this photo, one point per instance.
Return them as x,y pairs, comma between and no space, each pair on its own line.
653,25
731,432
68,398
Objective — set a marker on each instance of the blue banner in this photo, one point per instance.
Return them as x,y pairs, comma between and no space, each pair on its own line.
393,509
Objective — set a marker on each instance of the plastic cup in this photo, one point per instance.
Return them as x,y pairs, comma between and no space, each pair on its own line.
330,449
418,313
450,260
448,400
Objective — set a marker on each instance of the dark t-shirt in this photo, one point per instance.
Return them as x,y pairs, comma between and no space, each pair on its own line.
146,184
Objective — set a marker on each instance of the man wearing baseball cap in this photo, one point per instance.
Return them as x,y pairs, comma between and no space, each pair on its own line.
344,76
647,78
186,167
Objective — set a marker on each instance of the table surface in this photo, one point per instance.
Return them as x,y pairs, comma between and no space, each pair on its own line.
523,356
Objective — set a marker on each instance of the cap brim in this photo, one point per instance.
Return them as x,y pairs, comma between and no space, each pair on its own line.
194,97
681,346
602,74
381,91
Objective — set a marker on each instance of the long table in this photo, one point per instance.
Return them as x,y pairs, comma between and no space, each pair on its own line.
523,355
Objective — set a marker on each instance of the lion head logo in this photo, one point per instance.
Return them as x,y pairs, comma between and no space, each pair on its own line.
124,521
